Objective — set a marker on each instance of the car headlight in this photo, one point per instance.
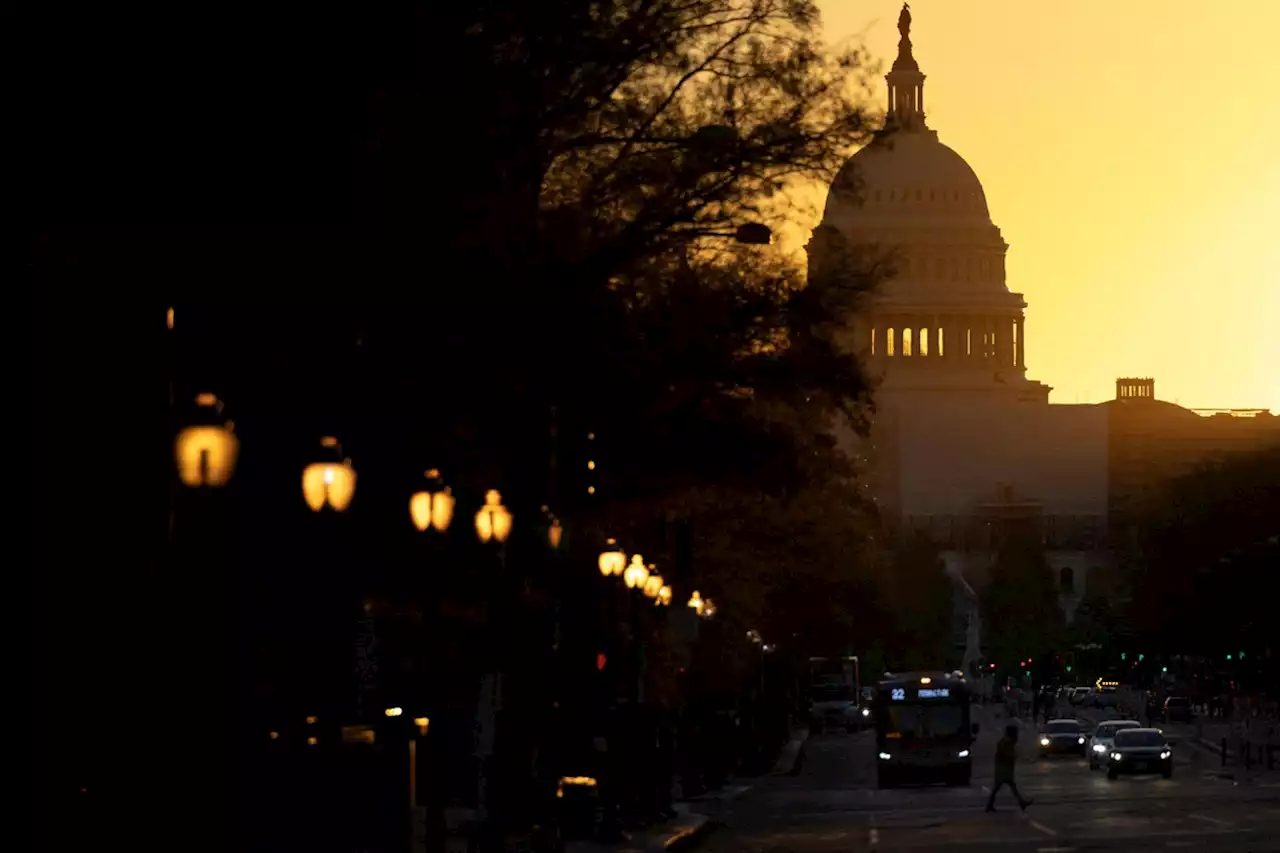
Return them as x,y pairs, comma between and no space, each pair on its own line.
1165,754
1044,741
1115,756
1080,740
964,753
1097,747
866,712
884,756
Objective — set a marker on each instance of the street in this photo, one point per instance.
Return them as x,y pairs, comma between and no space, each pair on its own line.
833,803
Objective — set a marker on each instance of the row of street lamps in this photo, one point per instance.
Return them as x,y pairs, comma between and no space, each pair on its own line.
206,452
645,578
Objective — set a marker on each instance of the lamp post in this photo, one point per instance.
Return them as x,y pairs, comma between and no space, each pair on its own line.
331,480
205,451
432,506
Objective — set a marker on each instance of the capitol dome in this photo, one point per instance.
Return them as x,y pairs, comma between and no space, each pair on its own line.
911,175
943,317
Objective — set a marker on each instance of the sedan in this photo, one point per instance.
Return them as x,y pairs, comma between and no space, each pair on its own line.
1140,751
1062,736
1104,737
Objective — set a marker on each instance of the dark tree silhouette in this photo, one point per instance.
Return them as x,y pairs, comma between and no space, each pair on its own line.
1021,615
1208,547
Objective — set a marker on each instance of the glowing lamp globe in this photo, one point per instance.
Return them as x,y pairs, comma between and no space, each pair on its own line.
636,574
664,596
331,482
612,560
206,451
555,533
696,602
652,584
493,522
433,506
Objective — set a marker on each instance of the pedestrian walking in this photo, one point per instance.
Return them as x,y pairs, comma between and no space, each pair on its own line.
1006,758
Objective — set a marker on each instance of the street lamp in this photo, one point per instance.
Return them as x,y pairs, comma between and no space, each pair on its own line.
433,506
653,584
554,531
612,559
493,521
696,602
206,451
331,481
636,574
664,596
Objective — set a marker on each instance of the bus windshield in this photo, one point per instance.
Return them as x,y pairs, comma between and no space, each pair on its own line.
925,721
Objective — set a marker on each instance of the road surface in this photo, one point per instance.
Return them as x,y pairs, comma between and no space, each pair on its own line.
833,804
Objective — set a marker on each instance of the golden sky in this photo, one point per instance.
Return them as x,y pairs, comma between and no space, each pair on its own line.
1130,153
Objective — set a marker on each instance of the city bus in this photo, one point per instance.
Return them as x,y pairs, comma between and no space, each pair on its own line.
923,731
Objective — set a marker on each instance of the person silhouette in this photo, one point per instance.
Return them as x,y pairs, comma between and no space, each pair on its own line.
1006,758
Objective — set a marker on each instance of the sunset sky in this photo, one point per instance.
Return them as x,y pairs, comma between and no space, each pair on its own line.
1130,154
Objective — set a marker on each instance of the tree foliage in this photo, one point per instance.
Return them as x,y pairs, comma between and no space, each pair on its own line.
597,148
1207,550
1021,615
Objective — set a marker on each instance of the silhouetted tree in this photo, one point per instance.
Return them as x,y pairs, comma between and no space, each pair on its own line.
1021,616
921,601
1207,551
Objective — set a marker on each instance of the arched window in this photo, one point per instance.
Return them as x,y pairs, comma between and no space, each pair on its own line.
940,338
906,342
1067,579
889,342
922,342
873,340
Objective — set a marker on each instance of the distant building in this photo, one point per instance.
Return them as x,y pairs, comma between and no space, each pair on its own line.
963,441
1152,441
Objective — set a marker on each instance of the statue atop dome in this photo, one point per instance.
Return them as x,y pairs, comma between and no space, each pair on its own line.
904,21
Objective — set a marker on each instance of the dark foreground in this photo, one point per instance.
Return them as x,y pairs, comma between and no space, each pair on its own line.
832,804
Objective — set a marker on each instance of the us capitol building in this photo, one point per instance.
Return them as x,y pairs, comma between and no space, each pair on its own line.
963,439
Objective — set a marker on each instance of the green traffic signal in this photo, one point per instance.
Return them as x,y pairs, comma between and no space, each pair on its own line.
1124,656
1140,657
1164,669
1242,656
1228,656
1068,667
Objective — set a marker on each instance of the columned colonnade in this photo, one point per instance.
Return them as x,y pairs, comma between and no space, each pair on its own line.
951,337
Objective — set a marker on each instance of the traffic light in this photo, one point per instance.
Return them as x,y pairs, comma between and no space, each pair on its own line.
1124,656
993,666
1228,655
1242,656
1164,669
1140,656
1068,667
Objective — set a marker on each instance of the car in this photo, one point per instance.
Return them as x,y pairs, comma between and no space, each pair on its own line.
1140,751
1062,737
1103,737
1177,708
835,706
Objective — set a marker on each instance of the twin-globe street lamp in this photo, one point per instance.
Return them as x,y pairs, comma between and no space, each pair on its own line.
206,450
